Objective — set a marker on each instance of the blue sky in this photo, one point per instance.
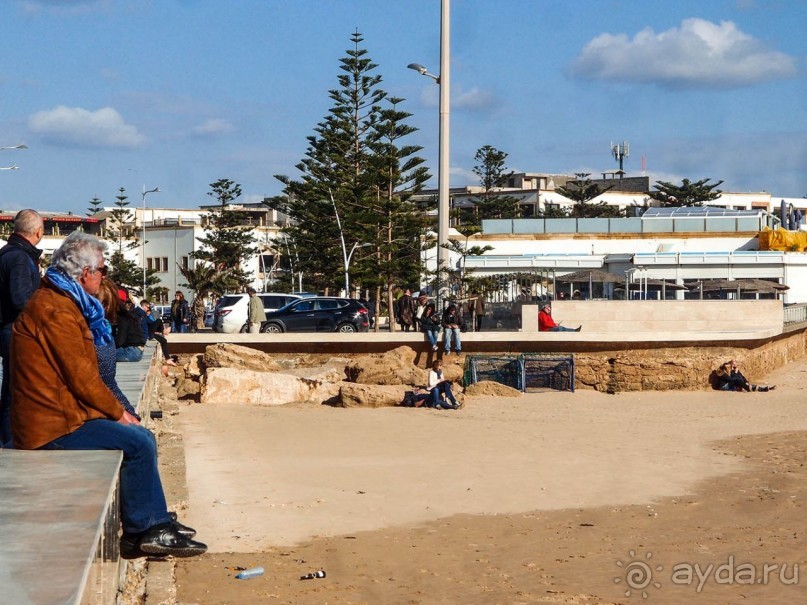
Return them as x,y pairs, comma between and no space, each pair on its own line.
179,93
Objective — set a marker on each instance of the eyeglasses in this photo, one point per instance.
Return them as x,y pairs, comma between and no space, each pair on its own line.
103,270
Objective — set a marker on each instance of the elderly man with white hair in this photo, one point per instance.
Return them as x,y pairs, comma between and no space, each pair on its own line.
60,401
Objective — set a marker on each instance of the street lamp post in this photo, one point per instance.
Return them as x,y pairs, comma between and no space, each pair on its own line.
13,166
145,193
347,258
444,81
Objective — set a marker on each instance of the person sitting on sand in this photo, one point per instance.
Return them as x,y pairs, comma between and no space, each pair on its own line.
441,395
729,378
547,324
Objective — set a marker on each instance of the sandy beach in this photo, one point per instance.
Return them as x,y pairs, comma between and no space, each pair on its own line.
548,498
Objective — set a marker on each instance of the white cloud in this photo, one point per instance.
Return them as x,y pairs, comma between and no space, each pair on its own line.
80,127
66,7
212,127
699,54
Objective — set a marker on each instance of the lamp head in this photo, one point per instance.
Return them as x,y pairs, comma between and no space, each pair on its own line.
418,68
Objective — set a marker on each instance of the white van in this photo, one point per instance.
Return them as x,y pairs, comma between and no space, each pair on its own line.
230,315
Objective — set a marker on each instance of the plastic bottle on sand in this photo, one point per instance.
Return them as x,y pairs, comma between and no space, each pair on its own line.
252,572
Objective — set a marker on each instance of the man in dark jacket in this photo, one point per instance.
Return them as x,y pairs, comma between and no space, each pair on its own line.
19,277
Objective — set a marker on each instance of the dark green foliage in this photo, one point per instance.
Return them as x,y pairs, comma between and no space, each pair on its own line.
204,277
582,191
355,189
120,232
685,194
228,242
493,175
95,206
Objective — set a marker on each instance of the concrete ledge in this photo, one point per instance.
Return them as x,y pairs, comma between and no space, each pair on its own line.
475,342
52,519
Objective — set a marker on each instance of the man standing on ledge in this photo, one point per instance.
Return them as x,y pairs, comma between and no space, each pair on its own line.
19,277
256,314
61,402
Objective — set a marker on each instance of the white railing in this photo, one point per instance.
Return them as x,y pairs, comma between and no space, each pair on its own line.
795,314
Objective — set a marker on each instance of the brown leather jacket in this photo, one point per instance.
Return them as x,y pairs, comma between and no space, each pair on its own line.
56,386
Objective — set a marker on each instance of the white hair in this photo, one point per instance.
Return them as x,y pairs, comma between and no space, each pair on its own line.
79,250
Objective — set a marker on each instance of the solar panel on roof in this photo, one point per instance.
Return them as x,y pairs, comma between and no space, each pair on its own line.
698,212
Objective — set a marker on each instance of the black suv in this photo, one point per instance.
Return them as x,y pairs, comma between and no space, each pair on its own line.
318,314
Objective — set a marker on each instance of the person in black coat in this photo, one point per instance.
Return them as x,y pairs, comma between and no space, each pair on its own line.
19,277
129,340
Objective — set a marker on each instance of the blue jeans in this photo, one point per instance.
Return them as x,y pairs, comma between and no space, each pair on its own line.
431,335
141,491
5,394
561,329
435,401
128,354
458,342
179,327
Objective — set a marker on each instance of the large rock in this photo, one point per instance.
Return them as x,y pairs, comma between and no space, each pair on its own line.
393,367
187,388
488,388
227,355
232,385
453,369
193,367
369,396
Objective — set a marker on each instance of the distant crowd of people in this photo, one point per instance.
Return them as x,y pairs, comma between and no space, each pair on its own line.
60,339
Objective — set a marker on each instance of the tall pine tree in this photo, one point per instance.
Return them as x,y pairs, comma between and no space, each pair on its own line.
120,232
493,175
228,242
397,225
355,188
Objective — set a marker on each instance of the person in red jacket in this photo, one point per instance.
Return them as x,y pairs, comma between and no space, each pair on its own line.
547,324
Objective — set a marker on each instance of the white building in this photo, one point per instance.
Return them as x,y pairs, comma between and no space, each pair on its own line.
680,245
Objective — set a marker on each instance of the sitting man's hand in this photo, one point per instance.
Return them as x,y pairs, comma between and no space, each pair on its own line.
127,418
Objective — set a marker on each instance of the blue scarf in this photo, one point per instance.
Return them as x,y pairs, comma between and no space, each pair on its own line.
90,307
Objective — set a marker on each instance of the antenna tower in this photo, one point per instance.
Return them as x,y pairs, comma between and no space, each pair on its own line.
620,151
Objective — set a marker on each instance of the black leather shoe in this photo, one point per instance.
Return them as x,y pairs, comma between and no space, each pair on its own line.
130,550
165,540
183,529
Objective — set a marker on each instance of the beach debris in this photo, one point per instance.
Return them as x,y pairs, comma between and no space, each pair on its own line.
252,572
314,575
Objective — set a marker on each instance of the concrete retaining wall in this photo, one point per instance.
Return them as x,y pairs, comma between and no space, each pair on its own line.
761,317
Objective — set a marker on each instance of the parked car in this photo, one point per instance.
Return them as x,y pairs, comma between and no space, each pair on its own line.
319,314
163,312
230,314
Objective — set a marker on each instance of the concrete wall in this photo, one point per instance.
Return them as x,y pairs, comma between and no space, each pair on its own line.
762,317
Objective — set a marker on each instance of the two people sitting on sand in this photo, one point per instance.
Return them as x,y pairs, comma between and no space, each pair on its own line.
547,324
729,378
437,395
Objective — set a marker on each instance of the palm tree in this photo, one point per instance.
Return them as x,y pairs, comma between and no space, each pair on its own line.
204,277
201,279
